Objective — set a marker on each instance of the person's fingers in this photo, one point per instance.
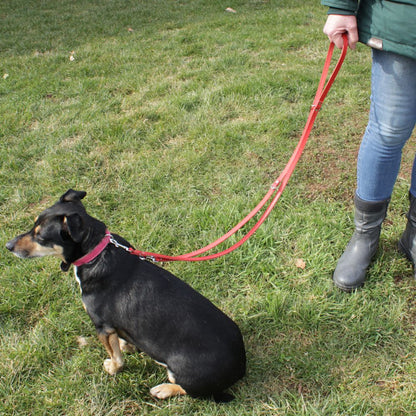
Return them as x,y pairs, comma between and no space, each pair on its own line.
337,25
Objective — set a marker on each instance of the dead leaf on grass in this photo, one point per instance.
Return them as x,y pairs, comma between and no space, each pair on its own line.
82,341
300,264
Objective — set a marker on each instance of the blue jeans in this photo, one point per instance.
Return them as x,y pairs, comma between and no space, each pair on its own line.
391,122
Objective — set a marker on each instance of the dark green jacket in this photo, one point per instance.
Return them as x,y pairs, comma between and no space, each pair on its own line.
387,25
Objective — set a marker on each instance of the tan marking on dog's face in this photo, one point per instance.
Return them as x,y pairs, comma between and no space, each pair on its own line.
27,247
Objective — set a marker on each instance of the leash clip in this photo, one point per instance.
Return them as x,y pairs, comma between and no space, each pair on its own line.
132,251
117,244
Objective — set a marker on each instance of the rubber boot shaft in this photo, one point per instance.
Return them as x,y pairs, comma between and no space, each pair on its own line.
407,242
352,266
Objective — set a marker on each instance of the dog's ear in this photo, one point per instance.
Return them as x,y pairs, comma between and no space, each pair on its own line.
73,226
72,196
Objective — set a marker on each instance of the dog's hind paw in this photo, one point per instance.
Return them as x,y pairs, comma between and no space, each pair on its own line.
164,391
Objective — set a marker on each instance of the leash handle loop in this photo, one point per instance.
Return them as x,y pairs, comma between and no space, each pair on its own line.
278,185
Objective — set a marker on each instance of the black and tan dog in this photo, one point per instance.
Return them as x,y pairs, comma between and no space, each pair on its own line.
131,299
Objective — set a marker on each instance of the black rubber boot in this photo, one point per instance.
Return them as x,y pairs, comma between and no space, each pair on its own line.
352,266
407,242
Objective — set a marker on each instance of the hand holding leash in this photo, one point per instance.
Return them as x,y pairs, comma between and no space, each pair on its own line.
337,26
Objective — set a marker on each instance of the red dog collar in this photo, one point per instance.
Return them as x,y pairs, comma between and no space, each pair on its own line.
95,251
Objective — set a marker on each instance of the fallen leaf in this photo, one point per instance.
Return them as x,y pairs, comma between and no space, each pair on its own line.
82,341
130,29
300,264
230,10
5,76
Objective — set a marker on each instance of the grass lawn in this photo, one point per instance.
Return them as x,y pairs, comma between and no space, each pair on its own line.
176,117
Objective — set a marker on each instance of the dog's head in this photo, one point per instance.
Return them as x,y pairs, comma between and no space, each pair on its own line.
61,230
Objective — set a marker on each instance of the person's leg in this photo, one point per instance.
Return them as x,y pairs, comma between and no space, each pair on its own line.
392,119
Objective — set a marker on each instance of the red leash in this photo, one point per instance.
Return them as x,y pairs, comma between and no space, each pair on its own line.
278,185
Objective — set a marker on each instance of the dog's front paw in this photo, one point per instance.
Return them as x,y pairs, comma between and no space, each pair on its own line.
111,366
164,391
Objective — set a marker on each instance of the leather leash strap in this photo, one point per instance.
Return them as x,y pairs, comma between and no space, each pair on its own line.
278,185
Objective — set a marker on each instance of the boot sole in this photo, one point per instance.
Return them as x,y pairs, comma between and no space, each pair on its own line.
347,289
